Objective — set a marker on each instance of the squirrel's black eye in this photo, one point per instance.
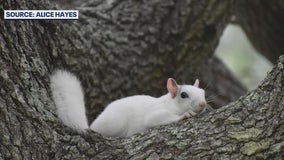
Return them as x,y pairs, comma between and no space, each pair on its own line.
184,95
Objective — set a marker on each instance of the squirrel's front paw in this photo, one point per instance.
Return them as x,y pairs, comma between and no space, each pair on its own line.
185,116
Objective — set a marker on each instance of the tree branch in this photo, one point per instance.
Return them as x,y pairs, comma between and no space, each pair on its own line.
263,23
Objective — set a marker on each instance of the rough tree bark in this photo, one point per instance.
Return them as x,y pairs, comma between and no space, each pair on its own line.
263,23
124,48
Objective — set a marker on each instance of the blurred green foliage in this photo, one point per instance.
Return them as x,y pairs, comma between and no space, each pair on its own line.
242,59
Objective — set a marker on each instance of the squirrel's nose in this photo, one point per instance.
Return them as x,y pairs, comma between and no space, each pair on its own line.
202,104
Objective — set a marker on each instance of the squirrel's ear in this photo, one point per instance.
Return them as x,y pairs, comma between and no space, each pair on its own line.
172,87
196,83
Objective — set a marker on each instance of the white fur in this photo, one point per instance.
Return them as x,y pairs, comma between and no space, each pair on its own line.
69,99
126,116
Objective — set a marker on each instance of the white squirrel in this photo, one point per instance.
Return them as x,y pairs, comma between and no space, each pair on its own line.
127,116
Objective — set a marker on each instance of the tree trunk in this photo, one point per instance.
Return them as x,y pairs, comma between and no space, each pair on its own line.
263,23
125,48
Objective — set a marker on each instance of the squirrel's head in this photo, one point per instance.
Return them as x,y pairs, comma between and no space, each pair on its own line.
189,98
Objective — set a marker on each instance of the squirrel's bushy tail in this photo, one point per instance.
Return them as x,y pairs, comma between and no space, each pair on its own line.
69,99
